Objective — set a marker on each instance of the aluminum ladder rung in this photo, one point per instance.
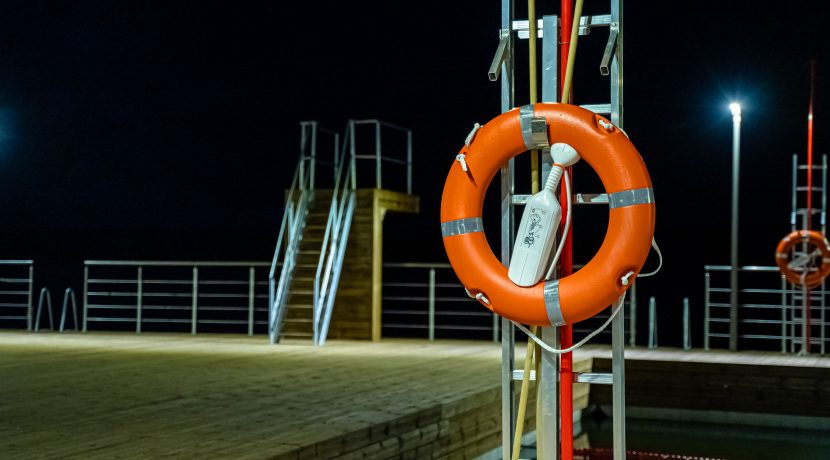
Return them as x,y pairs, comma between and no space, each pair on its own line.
596,378
578,198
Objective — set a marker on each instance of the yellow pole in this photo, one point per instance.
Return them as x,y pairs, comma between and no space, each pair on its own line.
534,188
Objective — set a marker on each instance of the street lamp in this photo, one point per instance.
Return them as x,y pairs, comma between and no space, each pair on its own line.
733,274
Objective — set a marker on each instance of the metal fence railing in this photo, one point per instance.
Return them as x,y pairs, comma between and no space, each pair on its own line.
770,310
380,155
16,293
175,296
428,300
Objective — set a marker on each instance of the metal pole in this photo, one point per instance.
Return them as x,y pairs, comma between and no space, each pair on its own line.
652,322
353,153
303,142
805,320
548,419
508,352
86,297
618,379
432,304
733,272
784,314
31,298
251,285
194,298
63,311
706,283
377,156
687,340
632,316
409,162
313,160
138,299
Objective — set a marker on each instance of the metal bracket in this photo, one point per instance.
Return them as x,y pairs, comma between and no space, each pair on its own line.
539,132
604,65
501,55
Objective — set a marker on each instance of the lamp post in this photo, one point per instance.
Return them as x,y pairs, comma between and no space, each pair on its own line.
733,273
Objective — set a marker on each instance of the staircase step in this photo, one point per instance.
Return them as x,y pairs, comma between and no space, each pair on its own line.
297,320
296,335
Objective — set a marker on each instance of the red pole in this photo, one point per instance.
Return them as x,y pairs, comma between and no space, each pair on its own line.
810,146
807,302
566,264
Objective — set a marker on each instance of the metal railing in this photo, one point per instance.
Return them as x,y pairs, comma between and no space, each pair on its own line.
378,156
16,293
766,315
428,297
69,298
298,201
45,299
172,295
335,239
424,298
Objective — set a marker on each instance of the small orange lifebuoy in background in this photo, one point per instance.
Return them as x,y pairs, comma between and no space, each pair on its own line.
630,221
794,270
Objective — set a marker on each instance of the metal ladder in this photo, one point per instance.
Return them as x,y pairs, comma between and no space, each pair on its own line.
611,64
796,304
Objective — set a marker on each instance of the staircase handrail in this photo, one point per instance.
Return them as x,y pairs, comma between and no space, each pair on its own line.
293,221
335,238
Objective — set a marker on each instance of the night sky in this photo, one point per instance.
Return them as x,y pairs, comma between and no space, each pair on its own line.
169,130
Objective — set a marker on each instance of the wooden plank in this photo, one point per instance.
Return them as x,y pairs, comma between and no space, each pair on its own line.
153,395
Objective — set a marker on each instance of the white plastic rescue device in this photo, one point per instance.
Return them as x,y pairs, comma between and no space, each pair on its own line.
540,221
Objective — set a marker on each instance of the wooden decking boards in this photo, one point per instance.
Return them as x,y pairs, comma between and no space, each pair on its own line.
157,395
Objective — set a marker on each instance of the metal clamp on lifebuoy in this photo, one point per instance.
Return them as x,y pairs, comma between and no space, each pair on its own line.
630,221
803,269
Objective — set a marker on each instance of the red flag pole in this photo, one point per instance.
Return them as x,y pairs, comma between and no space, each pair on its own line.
807,302
566,264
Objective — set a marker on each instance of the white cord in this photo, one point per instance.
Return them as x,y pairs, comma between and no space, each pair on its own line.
659,264
567,226
472,134
617,306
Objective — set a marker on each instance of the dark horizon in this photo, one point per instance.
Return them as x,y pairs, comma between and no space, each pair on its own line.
169,130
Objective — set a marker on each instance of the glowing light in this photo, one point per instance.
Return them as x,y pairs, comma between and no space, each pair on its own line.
735,108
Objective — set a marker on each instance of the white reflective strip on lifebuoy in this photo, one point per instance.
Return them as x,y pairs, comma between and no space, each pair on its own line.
552,305
461,226
631,197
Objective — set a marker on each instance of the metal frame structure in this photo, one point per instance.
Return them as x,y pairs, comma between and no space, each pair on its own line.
69,296
439,278
804,298
503,66
132,294
46,296
9,293
300,199
793,302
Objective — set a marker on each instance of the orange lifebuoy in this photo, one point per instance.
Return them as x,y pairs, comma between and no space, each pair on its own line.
793,270
630,221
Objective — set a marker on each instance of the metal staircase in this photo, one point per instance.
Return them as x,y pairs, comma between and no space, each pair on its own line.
314,233
311,243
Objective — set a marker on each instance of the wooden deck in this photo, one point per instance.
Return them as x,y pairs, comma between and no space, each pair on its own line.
148,396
